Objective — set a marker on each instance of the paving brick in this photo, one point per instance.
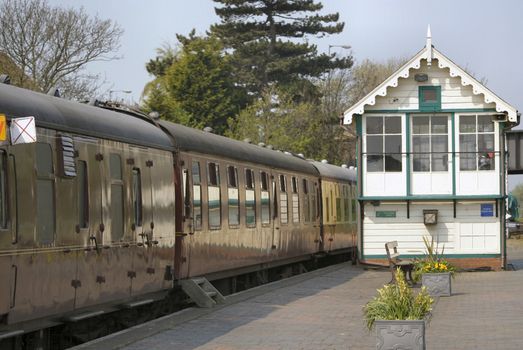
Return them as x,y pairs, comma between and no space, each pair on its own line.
323,310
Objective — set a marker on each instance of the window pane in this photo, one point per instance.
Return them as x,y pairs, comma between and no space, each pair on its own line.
421,155
295,208
44,159
294,185
232,176
392,143
197,207
393,147
485,123
250,208
486,152
137,197
346,209
45,211
393,125
115,164
467,123
306,208
374,163
439,125
234,207
196,180
339,217
420,125
214,207
283,208
374,125
439,155
375,144
249,179
467,143
116,212
213,174
265,208
486,161
429,95
393,162
283,187
264,181
486,142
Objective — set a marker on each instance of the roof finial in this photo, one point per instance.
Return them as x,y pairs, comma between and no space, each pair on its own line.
428,46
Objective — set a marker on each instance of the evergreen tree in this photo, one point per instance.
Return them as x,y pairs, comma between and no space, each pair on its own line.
263,33
194,86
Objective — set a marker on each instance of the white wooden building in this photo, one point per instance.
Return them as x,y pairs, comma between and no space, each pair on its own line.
432,148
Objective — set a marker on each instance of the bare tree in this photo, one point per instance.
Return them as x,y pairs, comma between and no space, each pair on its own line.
52,45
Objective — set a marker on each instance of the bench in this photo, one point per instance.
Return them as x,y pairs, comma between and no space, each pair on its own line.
406,265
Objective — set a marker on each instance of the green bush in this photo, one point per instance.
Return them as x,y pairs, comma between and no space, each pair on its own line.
397,302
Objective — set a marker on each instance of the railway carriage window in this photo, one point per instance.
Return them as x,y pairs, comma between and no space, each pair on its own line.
234,199
306,201
83,194
295,201
45,205
339,217
213,190
327,208
137,197
265,199
197,195
284,218
117,222
250,199
314,205
346,203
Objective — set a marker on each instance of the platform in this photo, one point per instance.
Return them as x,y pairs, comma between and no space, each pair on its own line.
323,310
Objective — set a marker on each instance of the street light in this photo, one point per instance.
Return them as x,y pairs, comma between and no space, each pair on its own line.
346,47
122,91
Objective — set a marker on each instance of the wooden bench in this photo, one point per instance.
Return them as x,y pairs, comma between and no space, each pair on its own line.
406,265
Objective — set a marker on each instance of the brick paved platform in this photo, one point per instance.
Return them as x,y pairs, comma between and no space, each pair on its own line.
322,310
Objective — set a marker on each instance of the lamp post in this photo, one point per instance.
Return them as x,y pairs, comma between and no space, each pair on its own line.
122,91
345,47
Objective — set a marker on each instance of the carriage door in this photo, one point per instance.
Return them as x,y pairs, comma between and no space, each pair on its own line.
7,230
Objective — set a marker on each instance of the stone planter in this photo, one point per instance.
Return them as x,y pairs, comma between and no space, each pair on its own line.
400,334
438,284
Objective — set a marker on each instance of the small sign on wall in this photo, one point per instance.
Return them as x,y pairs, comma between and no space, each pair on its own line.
23,130
487,209
385,214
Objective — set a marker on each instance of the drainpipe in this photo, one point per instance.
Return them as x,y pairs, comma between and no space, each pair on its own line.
505,197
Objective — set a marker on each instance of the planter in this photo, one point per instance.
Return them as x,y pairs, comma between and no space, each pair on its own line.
400,334
438,284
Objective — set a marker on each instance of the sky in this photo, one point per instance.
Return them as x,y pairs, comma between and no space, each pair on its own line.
485,37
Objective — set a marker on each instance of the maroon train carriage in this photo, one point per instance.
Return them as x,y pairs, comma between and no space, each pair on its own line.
108,209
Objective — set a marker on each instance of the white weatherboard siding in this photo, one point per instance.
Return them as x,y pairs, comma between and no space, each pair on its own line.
453,94
468,233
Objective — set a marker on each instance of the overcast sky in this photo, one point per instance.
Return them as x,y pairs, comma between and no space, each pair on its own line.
486,37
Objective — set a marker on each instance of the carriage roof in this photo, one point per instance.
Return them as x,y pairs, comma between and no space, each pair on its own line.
69,116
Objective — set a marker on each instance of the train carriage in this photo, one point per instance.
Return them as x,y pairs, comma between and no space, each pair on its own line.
339,207
88,208
245,205
110,208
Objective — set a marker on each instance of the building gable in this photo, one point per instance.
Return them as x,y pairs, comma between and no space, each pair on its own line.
459,88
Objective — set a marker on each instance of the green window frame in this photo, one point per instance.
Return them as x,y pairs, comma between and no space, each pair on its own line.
429,98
